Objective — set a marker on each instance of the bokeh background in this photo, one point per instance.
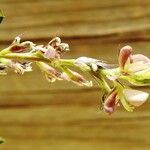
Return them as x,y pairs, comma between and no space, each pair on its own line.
37,115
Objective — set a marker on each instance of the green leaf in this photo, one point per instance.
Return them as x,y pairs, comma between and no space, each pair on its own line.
1,16
2,140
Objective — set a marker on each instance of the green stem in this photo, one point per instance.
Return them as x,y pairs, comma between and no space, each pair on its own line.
67,62
105,84
25,56
31,57
58,63
5,51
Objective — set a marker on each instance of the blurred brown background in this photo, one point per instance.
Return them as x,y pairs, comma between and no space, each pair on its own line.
37,115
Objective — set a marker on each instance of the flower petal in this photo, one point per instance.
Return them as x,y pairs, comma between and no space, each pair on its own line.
135,97
138,66
140,57
124,55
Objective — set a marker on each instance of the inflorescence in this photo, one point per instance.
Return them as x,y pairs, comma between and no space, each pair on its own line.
133,68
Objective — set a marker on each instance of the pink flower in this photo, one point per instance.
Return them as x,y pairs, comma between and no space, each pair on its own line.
139,63
132,63
54,49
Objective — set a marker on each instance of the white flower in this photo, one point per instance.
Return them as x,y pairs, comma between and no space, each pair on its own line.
135,97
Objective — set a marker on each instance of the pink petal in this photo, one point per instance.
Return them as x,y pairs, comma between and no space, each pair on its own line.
124,54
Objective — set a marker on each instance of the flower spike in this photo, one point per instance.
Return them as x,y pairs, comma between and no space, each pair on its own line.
135,68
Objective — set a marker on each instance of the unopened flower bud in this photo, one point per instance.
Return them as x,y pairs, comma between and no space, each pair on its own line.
80,80
76,77
110,102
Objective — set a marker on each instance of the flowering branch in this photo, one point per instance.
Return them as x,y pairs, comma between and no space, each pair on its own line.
133,68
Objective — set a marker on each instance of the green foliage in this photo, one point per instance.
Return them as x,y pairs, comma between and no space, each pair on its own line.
1,16
2,140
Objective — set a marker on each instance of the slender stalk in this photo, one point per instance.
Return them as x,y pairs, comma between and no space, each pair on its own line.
67,62
22,56
29,57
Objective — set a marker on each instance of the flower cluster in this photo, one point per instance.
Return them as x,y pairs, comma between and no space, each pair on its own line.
133,68
19,56
136,70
